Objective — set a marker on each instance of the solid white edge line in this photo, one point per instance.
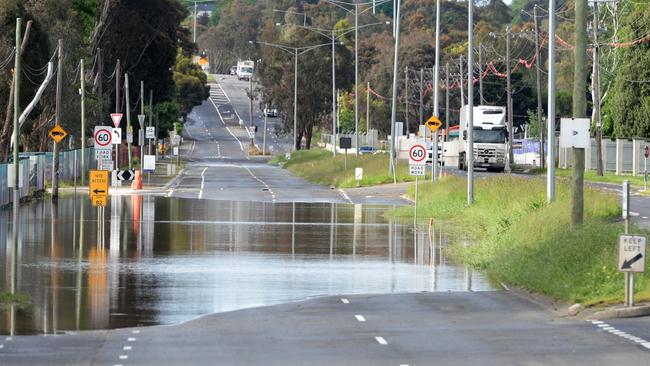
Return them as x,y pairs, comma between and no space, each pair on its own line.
381,340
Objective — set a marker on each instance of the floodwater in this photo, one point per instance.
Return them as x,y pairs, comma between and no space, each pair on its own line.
157,260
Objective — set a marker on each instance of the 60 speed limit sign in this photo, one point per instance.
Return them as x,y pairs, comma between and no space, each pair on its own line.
417,155
103,137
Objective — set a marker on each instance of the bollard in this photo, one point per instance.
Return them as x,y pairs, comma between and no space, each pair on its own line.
137,182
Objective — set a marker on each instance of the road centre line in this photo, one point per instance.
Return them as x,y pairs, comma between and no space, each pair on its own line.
360,318
345,301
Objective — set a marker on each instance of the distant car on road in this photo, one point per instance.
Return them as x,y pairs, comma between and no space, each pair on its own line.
271,112
233,70
367,150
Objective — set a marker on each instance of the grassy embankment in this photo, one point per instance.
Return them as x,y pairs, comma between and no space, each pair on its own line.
319,166
591,176
518,239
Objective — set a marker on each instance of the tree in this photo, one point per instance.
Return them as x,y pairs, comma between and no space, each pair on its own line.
190,84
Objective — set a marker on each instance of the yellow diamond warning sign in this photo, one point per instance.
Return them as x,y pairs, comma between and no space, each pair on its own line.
57,133
433,123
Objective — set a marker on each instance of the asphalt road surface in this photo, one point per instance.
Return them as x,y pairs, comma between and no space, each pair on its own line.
449,328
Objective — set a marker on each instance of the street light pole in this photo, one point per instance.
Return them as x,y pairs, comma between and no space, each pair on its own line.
195,15
470,102
393,112
356,75
550,135
333,94
295,99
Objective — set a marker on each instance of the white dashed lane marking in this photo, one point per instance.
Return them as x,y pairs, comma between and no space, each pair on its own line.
345,301
360,318
381,340
608,328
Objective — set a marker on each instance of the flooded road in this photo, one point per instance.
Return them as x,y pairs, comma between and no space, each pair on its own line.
162,261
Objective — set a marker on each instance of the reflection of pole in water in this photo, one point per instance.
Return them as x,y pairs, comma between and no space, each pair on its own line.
356,228
14,263
80,253
390,240
331,230
54,275
293,229
468,278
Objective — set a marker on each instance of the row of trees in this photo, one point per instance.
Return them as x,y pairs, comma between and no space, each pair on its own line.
625,78
147,38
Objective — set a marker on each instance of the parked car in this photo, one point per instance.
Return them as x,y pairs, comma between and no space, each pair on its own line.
271,112
367,150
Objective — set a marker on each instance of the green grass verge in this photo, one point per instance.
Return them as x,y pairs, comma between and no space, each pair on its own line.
518,239
318,166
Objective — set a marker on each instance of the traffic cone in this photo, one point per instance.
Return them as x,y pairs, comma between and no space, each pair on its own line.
137,182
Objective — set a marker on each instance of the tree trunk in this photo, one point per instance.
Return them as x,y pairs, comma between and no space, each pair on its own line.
309,130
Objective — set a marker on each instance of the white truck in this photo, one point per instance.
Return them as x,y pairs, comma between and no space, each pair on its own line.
245,70
490,138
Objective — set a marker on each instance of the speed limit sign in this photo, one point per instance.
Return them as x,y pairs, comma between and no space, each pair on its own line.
417,155
103,137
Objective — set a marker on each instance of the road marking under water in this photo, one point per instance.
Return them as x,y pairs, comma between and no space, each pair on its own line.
360,318
381,340
202,183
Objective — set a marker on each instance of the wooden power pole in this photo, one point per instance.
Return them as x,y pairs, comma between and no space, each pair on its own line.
579,110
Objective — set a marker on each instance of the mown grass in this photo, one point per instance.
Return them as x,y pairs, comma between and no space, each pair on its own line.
317,165
520,240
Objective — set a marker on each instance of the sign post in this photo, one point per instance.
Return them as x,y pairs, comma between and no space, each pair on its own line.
417,168
98,187
358,175
631,249
434,123
346,143
117,118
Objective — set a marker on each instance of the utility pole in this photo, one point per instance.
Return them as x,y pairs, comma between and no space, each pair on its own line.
550,164
406,99
510,159
596,98
118,108
195,16
250,107
128,116
16,132
421,112
100,87
538,80
470,103
334,100
356,75
264,140
436,98
446,101
462,87
579,110
83,122
367,109
393,112
480,74
59,91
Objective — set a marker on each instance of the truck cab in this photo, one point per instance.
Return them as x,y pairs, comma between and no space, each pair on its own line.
490,138
245,70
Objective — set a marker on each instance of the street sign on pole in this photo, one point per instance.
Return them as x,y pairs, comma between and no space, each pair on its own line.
631,253
129,134
102,154
105,164
103,137
417,155
417,170
151,132
116,118
57,133
98,180
141,118
128,174
117,135
358,175
433,123
574,133
149,163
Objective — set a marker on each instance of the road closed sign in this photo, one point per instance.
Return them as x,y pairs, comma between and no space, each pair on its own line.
417,155
631,253
103,137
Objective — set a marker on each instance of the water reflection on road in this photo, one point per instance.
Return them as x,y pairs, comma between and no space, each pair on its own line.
155,260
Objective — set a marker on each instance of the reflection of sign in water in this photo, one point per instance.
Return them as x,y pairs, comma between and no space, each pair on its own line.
99,201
